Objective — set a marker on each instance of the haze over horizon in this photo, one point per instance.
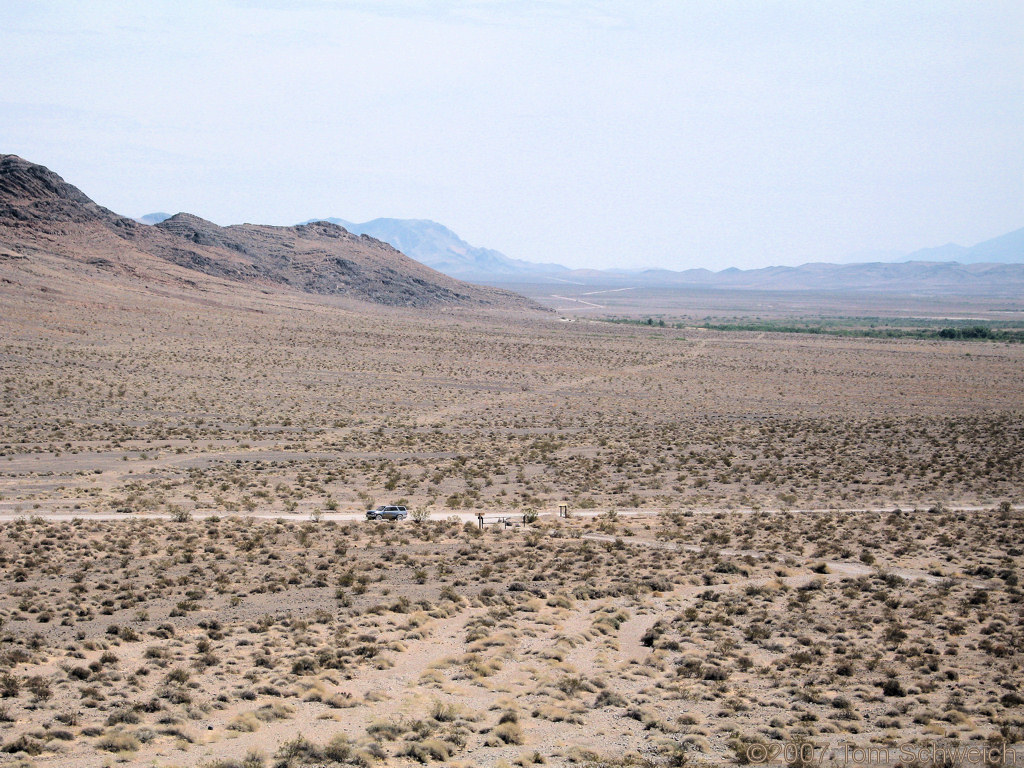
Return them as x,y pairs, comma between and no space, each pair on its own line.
591,134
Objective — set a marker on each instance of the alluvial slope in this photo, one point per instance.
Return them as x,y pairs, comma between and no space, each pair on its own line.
42,216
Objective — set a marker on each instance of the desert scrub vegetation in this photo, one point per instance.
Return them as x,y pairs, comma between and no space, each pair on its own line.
135,636
602,416
616,640
150,631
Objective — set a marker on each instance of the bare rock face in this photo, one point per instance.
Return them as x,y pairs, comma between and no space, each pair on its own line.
31,193
40,212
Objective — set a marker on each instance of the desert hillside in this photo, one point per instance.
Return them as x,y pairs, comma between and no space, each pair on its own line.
42,216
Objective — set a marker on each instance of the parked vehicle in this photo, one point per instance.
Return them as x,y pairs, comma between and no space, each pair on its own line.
387,512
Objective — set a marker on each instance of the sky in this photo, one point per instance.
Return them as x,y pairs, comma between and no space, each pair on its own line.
594,133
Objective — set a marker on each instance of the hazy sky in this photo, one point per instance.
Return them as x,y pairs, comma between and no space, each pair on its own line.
592,133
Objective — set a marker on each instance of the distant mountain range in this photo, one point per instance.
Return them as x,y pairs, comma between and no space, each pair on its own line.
909,277
439,248
154,218
993,267
1005,249
46,223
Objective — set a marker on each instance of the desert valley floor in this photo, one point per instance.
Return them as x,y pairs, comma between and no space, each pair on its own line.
780,541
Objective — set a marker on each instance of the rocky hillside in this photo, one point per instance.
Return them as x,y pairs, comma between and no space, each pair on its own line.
41,214
319,258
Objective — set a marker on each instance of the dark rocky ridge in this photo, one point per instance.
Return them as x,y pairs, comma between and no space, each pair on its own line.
40,212
320,258
33,194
